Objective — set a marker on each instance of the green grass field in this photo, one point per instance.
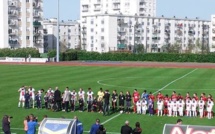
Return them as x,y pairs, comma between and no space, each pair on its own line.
119,78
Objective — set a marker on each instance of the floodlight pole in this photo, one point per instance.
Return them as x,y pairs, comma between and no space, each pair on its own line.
57,44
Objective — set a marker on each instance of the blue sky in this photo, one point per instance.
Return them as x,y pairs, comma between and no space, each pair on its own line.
69,9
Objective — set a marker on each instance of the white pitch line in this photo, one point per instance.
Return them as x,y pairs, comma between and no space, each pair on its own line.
111,118
175,80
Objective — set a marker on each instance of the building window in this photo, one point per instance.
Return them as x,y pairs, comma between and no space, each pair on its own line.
27,37
27,1
69,30
91,37
91,21
102,30
92,30
102,37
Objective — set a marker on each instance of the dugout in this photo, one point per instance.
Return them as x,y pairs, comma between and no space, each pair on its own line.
57,126
187,129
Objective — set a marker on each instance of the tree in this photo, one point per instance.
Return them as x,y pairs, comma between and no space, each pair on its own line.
174,48
138,48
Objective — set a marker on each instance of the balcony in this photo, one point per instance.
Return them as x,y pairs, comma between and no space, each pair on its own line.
36,5
143,6
97,8
84,31
155,31
155,38
13,41
12,3
180,25
37,33
37,15
121,30
213,38
12,13
116,8
191,32
154,46
12,32
36,24
12,23
213,23
85,10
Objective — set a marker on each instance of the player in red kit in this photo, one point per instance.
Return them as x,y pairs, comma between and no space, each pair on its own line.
174,96
159,96
151,96
136,97
195,97
166,99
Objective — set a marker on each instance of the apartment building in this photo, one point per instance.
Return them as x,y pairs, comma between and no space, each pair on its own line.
212,30
69,34
127,7
105,32
21,24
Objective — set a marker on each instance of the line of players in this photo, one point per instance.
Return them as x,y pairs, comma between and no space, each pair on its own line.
68,100
175,104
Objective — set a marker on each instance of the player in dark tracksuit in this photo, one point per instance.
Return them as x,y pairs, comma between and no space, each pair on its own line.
121,101
27,99
39,101
114,101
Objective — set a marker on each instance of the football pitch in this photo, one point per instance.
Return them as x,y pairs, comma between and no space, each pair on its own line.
124,79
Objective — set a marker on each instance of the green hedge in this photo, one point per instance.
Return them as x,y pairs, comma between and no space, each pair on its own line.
20,52
160,57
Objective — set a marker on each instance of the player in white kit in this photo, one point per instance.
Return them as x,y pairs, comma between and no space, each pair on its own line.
21,96
201,105
193,107
175,108
144,106
188,107
89,100
180,107
169,107
160,107
210,105
81,94
138,104
32,96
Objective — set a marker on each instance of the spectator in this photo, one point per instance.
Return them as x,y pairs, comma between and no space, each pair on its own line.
79,126
137,129
101,130
95,127
6,124
26,124
179,122
32,125
126,129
